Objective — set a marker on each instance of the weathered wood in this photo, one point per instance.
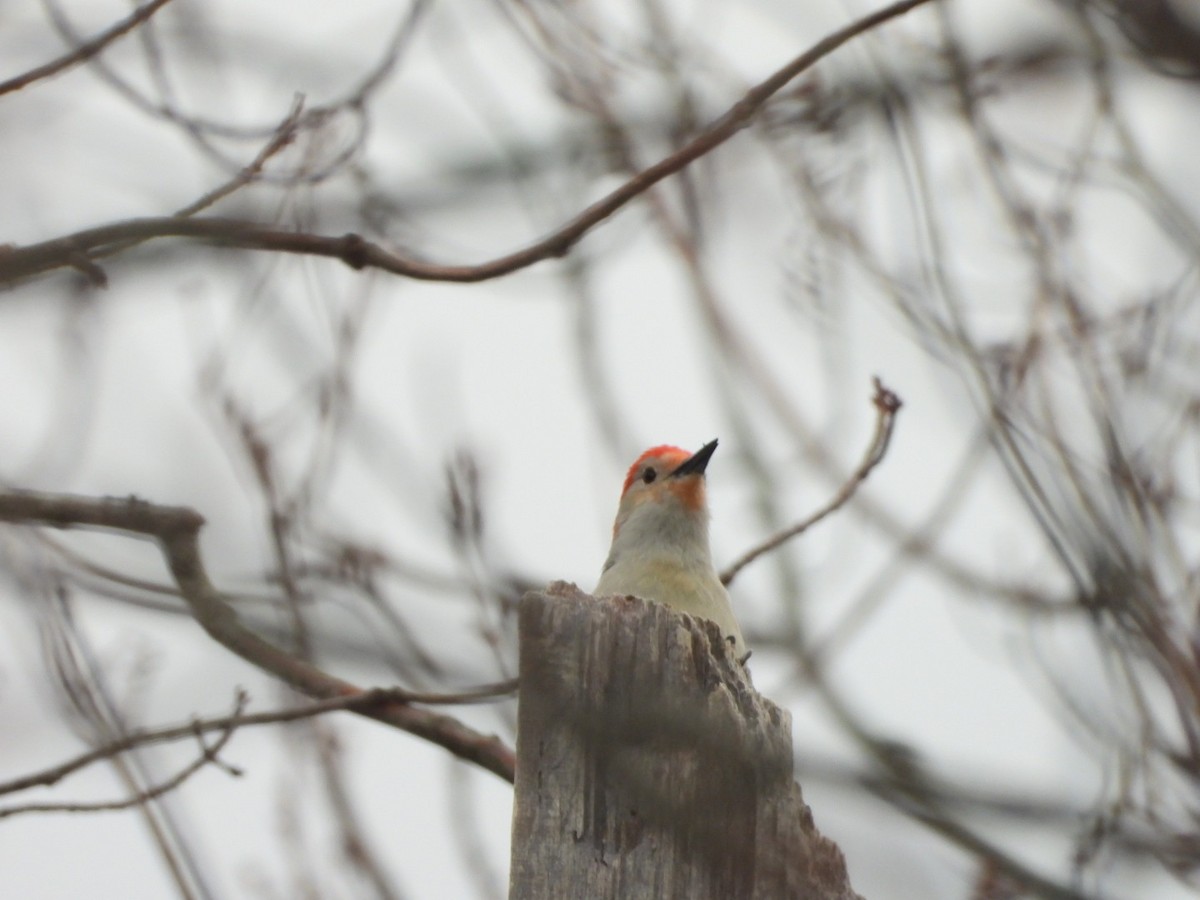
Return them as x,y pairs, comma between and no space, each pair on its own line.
648,766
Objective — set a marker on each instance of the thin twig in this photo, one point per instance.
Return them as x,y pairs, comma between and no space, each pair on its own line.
141,738
887,404
208,755
283,135
84,51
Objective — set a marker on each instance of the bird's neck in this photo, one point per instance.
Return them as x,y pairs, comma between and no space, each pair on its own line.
663,533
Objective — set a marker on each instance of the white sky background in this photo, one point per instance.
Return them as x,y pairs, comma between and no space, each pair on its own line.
112,392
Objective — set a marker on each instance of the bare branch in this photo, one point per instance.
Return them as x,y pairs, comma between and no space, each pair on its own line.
366,700
177,530
85,50
282,137
887,404
18,263
207,755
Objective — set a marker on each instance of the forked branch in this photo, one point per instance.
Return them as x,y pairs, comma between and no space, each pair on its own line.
177,531
79,249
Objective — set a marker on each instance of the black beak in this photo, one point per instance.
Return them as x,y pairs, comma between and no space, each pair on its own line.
697,462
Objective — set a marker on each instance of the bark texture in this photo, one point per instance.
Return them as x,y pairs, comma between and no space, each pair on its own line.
648,766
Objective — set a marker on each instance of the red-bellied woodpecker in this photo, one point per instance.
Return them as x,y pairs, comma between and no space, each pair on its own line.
660,546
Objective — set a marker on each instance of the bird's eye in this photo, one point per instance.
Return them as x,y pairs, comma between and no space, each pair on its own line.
648,475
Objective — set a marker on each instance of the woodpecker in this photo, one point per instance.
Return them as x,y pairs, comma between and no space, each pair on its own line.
660,546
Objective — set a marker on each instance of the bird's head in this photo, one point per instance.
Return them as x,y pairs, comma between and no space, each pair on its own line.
669,481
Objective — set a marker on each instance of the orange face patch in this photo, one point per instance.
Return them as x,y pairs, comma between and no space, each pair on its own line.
689,490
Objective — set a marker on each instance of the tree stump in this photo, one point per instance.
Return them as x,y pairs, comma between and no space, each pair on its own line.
648,766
